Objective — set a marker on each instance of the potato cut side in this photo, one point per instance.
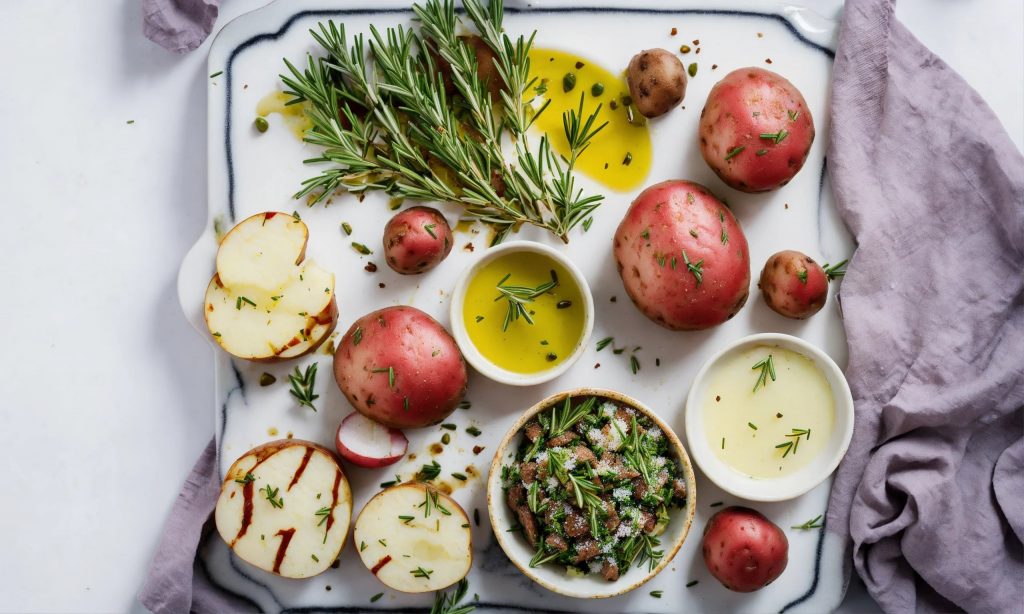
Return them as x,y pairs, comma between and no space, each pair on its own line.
262,250
285,507
414,539
272,308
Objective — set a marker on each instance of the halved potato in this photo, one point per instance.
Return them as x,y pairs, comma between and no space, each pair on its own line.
285,507
266,302
414,538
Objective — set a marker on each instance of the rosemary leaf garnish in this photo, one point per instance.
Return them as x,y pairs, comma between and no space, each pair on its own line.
303,384
656,594
565,417
448,603
429,472
376,597
412,142
603,343
362,249
246,479
836,270
324,513
391,375
420,572
778,137
272,496
430,230
634,364
734,152
802,276
767,367
696,268
792,446
518,297
813,523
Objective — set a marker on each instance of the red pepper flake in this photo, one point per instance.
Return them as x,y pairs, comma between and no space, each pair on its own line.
714,66
696,42
381,284
674,31
697,51
760,34
468,247
767,60
597,365
579,65
478,449
370,267
787,205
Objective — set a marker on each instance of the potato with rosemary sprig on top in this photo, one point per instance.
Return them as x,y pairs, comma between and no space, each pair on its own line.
794,285
267,302
417,240
285,507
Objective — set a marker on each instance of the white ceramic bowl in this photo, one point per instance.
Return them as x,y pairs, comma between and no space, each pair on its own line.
553,577
771,489
478,360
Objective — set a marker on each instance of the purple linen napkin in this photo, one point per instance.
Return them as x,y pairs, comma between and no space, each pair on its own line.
931,493
176,583
178,25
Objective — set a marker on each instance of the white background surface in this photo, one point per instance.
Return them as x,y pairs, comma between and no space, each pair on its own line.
107,391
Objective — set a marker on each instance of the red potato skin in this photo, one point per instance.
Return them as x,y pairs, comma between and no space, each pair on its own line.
744,550
429,368
728,121
369,462
783,290
667,212
409,248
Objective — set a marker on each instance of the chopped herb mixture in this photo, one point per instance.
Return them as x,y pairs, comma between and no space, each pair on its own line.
592,485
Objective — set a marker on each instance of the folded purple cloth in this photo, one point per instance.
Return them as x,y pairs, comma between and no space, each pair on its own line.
175,582
931,493
178,25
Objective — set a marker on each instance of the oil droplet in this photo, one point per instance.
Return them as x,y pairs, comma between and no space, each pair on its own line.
272,431
294,115
603,160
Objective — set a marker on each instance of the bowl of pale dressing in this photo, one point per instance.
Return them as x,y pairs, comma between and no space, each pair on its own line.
769,417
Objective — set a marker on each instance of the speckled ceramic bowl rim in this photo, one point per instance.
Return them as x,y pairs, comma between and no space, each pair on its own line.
771,489
475,358
494,486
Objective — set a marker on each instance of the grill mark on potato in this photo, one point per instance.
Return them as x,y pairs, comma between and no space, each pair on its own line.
246,512
301,469
282,548
381,563
334,499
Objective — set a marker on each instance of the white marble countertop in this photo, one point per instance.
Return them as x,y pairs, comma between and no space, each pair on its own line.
101,213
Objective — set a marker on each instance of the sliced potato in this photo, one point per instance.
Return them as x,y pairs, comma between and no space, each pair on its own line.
265,303
285,507
414,538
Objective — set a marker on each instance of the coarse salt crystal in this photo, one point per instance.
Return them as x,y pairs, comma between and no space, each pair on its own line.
621,493
654,433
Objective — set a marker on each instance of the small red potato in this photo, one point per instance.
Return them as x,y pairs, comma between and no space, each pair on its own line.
755,130
401,368
744,550
682,256
657,81
793,284
365,443
417,240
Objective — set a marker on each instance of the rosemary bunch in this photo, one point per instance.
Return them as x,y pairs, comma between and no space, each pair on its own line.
380,112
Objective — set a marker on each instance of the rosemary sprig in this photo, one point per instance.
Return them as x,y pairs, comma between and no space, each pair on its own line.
249,477
642,546
303,384
836,270
323,513
778,137
429,472
518,297
767,367
420,572
791,446
384,122
585,492
696,268
391,375
448,603
272,496
813,523
431,503
532,499
565,417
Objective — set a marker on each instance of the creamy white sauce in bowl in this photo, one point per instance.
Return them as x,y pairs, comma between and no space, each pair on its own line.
769,417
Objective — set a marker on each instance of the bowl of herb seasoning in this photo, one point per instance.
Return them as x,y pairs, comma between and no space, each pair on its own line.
590,493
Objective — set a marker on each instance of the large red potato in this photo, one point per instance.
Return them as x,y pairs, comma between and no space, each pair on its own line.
744,550
401,368
755,130
417,240
682,256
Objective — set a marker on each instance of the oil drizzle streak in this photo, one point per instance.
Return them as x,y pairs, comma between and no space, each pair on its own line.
246,512
286,538
381,563
302,468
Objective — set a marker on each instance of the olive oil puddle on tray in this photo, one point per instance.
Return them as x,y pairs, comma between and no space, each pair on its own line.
294,115
620,156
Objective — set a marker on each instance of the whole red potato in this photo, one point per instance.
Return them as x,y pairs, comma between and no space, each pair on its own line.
400,367
755,130
416,240
682,256
744,550
793,284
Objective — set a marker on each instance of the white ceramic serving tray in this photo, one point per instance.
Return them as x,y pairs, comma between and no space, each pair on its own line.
251,172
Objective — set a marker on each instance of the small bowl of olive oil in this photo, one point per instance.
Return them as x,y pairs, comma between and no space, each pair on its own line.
522,314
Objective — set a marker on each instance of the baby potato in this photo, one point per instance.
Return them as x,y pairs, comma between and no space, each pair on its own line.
744,550
657,81
755,130
793,284
417,240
